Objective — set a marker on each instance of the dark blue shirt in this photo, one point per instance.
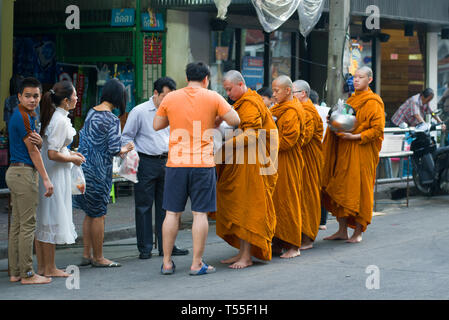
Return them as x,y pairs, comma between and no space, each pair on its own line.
20,125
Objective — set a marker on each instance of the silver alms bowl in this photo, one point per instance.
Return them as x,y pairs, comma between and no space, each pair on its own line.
342,122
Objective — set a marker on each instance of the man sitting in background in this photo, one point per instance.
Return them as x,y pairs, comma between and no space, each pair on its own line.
414,110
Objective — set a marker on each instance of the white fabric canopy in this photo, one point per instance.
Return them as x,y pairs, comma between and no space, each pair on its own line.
309,12
222,6
273,13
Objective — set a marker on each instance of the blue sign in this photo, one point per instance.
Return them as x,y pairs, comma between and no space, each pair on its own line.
155,22
123,17
252,71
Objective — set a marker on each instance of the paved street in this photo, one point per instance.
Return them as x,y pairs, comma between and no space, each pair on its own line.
409,246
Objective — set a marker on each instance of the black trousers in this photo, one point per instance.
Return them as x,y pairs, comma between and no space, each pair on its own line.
149,190
324,214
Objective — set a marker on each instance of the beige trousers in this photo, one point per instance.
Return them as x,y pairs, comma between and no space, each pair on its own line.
23,184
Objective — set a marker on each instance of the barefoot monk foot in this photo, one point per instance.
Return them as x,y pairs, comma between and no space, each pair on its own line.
339,235
241,264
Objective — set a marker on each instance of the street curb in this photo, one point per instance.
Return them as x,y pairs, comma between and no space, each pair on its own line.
111,235
130,231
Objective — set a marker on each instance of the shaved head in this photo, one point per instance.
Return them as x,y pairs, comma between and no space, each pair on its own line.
282,88
234,76
284,82
362,78
366,70
234,85
301,85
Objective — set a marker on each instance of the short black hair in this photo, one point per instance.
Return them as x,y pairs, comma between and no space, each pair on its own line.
30,82
114,92
160,83
14,84
197,71
265,92
314,96
427,92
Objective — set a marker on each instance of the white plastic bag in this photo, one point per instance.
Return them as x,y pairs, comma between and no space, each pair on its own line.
128,168
273,13
78,180
222,6
309,12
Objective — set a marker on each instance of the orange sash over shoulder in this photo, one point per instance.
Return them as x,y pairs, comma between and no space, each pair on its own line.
287,195
311,175
350,166
245,189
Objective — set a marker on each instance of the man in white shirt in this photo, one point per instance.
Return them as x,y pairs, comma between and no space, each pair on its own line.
152,147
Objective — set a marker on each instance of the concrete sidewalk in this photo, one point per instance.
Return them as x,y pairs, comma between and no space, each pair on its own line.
408,247
120,219
119,223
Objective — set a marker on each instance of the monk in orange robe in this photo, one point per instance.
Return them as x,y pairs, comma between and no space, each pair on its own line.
245,215
287,195
350,162
312,153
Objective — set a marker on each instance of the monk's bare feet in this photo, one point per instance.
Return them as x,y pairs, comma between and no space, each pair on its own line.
339,235
306,246
14,279
322,227
241,264
306,243
291,253
36,279
57,273
232,259
356,238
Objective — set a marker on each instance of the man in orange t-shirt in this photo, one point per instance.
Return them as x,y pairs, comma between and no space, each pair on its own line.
192,113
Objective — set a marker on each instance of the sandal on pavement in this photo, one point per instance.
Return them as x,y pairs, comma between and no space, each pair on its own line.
168,271
204,270
108,265
85,262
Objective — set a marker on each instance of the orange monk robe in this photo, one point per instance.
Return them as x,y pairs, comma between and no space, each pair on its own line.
312,153
350,166
287,195
245,207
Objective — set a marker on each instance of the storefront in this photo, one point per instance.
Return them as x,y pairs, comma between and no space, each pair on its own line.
402,64
122,39
443,66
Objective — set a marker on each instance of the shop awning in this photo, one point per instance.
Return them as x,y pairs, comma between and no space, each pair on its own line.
435,12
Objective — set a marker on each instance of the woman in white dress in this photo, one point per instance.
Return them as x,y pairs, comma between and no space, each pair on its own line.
54,223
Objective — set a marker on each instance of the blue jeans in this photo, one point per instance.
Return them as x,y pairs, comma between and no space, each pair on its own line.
149,190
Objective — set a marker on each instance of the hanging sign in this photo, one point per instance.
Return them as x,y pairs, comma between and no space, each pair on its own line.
152,21
253,71
123,17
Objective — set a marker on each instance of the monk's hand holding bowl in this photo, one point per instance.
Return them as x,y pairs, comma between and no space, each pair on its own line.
348,136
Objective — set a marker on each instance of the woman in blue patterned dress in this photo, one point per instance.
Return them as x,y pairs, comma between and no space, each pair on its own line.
100,141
